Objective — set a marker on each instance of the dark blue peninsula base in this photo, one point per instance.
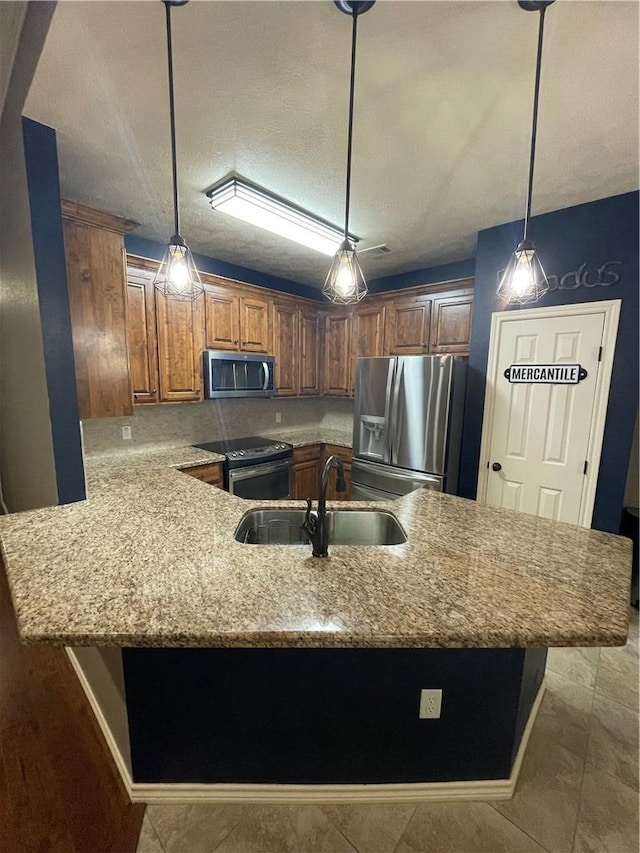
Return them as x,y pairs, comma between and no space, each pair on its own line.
326,716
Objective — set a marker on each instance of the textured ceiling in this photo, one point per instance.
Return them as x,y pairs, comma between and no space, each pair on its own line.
442,120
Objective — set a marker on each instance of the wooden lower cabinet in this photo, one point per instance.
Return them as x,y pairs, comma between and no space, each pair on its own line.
305,477
344,454
210,473
306,472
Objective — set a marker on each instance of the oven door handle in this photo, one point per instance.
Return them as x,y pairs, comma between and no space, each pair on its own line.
265,367
256,470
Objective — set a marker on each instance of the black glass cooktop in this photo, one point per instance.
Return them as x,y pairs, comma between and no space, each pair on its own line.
230,444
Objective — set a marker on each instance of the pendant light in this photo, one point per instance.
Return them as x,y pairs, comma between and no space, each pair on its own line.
524,279
177,276
345,283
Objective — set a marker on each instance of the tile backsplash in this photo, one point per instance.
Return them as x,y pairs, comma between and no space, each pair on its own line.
194,423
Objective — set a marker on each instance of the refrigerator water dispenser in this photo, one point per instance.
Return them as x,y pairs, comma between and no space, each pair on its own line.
373,437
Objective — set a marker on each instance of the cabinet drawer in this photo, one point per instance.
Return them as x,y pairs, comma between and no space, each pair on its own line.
335,450
211,473
305,454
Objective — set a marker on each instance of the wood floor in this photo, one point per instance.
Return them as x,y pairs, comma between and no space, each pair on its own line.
59,789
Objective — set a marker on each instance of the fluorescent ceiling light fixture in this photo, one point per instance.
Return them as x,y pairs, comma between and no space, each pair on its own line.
258,207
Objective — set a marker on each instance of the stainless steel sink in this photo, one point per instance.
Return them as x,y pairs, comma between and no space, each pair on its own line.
346,527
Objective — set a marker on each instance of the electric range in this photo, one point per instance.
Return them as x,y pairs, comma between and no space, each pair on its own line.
255,467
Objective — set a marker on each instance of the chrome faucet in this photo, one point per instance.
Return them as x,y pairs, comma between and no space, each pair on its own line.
315,526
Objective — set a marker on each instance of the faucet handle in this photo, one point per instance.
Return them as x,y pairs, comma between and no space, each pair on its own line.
308,513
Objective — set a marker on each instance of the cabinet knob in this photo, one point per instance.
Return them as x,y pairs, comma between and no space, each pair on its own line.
236,341
153,390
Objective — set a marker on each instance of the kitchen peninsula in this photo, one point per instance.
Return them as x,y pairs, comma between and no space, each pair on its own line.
261,665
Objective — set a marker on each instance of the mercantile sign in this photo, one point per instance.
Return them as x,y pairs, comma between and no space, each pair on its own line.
550,374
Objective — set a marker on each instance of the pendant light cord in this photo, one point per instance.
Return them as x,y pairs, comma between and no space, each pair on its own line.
172,113
352,84
534,126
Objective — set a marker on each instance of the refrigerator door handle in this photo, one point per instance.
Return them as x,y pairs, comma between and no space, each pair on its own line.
395,411
392,367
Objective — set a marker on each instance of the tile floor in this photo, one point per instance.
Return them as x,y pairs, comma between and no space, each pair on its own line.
577,793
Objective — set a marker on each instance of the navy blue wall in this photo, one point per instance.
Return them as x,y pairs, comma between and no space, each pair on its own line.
41,156
597,232
430,275
151,249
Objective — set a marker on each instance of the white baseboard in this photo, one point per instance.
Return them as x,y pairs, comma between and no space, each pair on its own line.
415,792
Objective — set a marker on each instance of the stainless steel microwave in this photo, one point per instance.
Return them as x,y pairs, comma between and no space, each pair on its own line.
235,374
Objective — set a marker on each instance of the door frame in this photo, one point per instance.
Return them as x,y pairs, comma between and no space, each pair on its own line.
611,310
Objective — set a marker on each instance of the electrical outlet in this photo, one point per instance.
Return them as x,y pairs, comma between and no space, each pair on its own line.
126,433
278,418
430,704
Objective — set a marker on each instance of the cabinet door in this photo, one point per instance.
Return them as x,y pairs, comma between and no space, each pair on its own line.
306,480
368,333
98,307
332,493
285,348
309,353
407,331
254,324
451,323
180,339
337,355
222,314
141,328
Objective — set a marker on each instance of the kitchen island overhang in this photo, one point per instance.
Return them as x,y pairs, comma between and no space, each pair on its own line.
206,628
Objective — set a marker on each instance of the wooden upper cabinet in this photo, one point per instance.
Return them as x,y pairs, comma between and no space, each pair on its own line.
141,326
180,327
309,352
94,249
337,355
254,324
235,322
408,326
222,309
285,348
368,331
451,323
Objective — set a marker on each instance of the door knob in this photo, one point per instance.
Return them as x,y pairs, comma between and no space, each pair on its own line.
496,466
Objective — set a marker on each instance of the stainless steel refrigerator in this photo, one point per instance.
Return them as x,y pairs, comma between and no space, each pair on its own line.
407,425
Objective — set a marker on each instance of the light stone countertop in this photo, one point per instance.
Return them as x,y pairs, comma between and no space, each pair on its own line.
150,560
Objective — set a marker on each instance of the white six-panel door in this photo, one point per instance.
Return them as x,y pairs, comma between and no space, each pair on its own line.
539,445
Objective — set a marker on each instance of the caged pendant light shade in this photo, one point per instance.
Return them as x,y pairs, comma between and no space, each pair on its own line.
177,276
345,282
524,279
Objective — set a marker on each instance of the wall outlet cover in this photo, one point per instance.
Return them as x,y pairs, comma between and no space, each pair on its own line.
430,704
126,433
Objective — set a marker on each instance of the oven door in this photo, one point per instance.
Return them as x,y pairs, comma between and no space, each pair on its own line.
267,481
